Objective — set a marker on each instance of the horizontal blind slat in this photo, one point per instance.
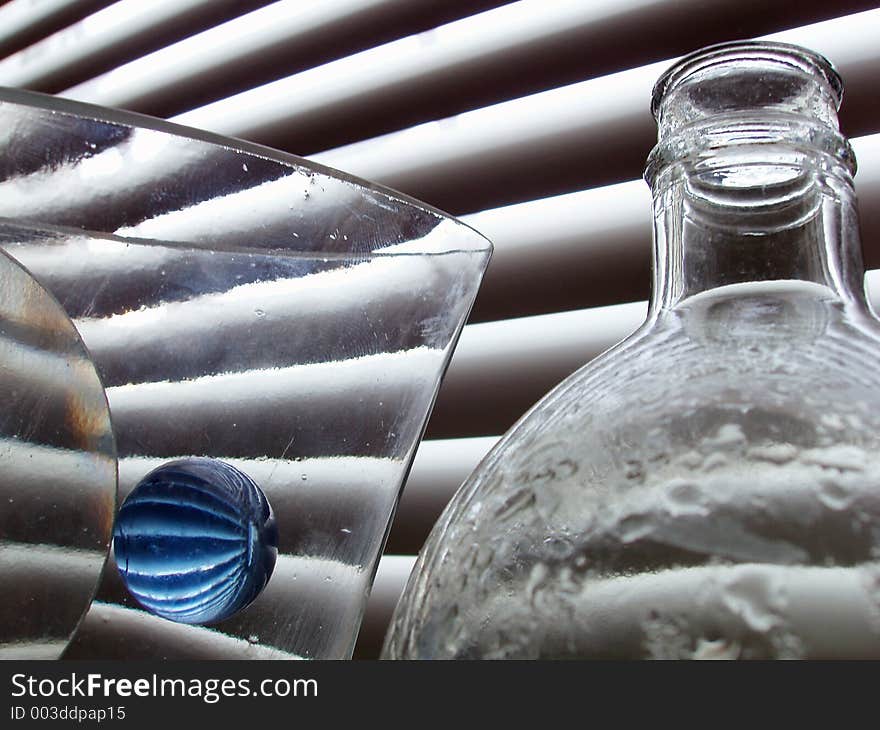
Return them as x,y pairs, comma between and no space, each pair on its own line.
282,38
23,22
592,133
440,466
391,576
584,249
510,51
495,376
111,36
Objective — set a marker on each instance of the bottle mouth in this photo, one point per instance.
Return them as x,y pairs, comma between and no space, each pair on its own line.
740,102
752,52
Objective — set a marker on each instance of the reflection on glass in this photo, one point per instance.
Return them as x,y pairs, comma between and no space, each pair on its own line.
57,471
246,306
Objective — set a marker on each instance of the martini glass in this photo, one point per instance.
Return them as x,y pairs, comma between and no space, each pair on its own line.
248,306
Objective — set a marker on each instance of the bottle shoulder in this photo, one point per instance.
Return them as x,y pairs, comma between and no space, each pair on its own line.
736,340
793,351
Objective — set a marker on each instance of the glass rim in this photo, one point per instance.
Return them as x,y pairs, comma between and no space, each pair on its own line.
136,120
788,54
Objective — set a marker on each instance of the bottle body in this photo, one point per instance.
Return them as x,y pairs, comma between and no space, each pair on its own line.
728,508
709,488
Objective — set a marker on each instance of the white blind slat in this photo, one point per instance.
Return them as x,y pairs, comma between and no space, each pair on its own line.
507,35
114,27
281,38
391,577
239,41
401,67
596,120
22,19
440,466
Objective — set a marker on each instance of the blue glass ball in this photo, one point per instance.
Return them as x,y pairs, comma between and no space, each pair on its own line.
195,541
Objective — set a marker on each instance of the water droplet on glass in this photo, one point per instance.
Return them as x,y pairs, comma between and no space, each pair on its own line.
195,541
833,495
259,313
714,461
636,526
716,649
729,434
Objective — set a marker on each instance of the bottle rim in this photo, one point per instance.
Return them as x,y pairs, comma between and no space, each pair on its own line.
788,54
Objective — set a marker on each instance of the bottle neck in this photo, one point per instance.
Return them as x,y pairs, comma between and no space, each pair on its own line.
752,180
754,211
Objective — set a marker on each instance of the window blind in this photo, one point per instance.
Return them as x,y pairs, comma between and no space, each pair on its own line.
529,119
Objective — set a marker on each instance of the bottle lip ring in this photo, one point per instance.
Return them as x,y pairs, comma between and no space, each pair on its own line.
768,51
698,145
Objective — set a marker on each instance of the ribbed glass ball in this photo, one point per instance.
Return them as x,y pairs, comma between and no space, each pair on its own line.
195,541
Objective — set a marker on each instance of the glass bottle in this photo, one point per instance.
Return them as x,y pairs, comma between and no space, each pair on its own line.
710,487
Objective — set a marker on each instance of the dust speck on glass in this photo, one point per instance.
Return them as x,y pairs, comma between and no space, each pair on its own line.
195,541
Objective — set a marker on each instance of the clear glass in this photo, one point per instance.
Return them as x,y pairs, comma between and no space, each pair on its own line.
57,471
709,487
249,306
